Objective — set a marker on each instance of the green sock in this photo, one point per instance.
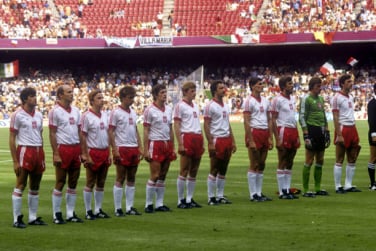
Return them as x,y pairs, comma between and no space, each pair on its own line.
317,175
306,171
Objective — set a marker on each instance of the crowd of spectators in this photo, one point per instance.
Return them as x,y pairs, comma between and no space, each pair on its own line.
38,19
304,16
143,80
29,19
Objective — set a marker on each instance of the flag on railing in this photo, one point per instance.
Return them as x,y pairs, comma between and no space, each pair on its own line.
352,61
9,70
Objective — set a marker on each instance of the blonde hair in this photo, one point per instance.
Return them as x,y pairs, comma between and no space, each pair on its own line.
188,85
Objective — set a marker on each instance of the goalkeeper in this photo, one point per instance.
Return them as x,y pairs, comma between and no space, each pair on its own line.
316,135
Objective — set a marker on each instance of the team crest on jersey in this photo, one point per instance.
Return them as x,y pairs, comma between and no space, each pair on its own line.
224,114
71,121
101,125
34,124
130,121
291,107
350,104
164,119
194,114
262,109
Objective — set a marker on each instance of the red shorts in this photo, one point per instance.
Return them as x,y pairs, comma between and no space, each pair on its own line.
129,156
223,147
260,137
31,158
70,156
350,136
193,144
100,157
161,151
289,137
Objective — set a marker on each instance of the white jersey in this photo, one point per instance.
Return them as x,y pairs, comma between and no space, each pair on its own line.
285,108
125,127
95,126
344,105
66,121
159,121
189,117
28,127
219,119
259,111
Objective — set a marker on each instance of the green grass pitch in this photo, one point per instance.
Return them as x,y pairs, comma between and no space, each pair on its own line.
336,222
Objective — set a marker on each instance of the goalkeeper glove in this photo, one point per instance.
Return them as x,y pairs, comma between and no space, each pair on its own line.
307,141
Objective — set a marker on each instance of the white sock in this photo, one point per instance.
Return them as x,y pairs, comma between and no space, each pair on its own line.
211,181
57,197
180,185
259,181
288,175
118,196
129,196
280,180
150,192
252,183
221,180
88,193
191,184
350,171
17,203
33,201
337,172
70,197
160,190
98,197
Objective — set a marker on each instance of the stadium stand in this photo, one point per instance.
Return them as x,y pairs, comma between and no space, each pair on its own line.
112,18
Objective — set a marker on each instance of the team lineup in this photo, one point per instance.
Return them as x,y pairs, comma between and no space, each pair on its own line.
97,139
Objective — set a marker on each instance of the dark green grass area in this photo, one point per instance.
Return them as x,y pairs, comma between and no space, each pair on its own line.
335,222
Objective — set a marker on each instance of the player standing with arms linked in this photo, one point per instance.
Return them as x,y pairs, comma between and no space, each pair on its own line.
126,150
95,154
286,135
191,144
65,143
371,110
258,137
158,147
26,148
346,135
314,125
221,143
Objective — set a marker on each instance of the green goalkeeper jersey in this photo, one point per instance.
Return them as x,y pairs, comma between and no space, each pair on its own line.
312,111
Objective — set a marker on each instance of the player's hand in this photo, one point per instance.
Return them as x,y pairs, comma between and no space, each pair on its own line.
252,145
173,156
57,159
211,149
339,140
234,148
17,168
140,154
271,145
278,144
147,156
181,150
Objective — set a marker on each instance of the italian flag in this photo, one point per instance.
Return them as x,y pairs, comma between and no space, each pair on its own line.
9,70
